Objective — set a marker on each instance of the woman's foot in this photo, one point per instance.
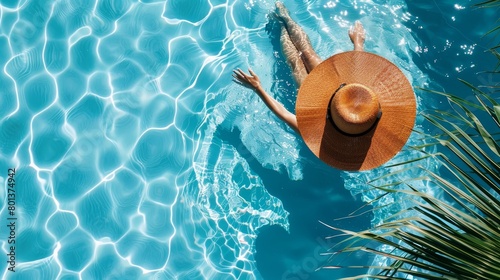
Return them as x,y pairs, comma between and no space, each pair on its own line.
282,11
357,35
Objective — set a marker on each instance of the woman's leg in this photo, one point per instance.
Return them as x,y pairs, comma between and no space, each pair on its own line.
299,38
293,57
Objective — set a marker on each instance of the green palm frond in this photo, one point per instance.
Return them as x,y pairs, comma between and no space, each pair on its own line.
494,31
488,4
453,233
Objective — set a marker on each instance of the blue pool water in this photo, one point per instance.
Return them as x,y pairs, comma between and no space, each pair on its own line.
136,157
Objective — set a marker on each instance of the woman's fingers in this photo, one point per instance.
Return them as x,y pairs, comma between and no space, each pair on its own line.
240,78
242,73
239,74
236,77
244,79
238,82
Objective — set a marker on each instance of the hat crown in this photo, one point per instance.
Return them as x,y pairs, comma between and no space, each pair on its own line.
354,108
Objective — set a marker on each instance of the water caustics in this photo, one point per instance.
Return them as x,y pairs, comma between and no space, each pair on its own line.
131,142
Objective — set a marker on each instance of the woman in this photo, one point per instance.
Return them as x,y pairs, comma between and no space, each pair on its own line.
301,57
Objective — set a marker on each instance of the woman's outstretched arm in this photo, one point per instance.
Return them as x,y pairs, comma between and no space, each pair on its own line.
252,81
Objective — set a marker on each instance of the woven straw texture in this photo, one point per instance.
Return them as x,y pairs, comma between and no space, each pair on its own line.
397,101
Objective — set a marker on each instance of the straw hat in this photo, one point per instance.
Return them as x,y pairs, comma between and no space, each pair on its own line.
355,110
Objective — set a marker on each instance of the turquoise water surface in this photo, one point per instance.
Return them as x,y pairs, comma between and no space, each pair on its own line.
137,157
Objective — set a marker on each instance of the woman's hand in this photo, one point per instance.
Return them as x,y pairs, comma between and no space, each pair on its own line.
251,81
357,34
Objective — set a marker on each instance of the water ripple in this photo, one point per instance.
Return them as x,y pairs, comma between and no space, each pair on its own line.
138,157
34,245
82,54
70,86
193,11
61,224
143,251
39,92
56,56
156,149
76,250
21,66
99,83
15,129
112,10
49,141
215,27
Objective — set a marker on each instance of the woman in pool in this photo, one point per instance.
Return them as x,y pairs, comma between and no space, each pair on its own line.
355,111
301,57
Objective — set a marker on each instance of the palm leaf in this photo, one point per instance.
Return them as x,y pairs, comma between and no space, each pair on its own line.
479,95
488,4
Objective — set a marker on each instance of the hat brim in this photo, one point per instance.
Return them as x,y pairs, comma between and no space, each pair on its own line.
385,140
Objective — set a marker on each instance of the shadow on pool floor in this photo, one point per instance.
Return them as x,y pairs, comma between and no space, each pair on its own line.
319,196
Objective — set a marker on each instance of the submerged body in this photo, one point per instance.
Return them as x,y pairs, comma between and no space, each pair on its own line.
301,58
355,111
